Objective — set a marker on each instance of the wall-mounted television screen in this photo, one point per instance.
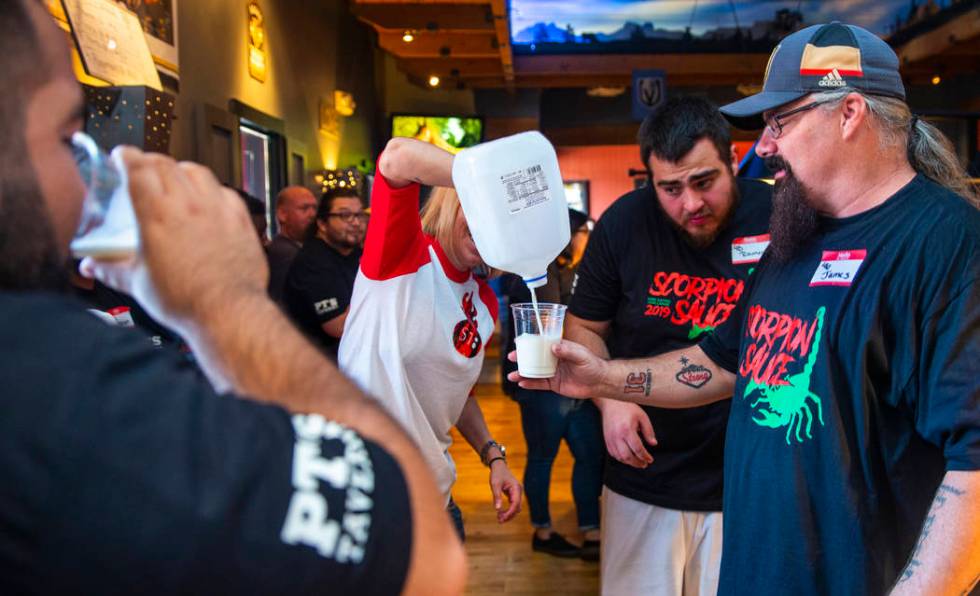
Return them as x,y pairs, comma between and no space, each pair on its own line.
682,26
452,133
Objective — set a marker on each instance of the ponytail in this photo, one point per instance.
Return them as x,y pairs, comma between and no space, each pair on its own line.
928,150
931,154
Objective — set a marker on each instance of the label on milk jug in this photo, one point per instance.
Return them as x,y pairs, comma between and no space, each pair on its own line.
525,188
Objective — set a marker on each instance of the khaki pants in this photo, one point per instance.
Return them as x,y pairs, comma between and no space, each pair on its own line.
650,550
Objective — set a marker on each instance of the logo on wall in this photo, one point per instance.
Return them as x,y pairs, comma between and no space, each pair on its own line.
649,91
257,65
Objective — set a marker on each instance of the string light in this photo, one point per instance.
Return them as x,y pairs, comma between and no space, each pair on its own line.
331,179
433,81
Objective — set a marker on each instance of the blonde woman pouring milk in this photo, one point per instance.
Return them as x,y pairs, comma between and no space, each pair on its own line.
420,319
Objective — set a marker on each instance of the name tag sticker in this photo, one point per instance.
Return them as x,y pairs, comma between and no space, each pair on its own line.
838,267
749,249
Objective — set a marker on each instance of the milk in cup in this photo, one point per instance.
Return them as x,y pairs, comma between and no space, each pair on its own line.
537,327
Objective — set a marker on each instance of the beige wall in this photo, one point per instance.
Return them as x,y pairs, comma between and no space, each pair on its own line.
301,44
313,47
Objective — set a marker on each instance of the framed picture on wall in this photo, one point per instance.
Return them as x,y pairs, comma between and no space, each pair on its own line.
159,21
577,195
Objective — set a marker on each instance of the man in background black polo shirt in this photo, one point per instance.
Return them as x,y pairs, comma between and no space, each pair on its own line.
126,472
321,279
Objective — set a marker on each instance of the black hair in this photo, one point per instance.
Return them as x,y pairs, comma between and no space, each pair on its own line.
254,205
27,260
671,131
22,58
326,201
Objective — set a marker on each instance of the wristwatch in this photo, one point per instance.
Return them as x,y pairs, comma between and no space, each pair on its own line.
486,449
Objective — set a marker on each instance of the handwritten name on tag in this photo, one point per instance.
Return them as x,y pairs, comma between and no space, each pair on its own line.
838,267
749,249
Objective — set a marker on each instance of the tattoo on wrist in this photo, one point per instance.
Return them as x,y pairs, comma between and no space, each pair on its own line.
943,494
693,375
638,382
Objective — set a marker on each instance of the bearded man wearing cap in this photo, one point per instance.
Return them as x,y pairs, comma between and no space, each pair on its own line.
852,458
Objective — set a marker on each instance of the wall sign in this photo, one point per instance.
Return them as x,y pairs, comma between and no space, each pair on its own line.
257,58
649,91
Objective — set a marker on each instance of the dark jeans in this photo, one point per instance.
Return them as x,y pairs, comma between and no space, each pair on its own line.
457,517
547,418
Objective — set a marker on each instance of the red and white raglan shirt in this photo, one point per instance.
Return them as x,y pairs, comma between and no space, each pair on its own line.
417,327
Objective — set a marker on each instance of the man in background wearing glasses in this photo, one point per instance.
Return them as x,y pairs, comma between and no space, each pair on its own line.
320,281
852,459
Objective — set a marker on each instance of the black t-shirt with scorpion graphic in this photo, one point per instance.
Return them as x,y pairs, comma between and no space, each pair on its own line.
858,388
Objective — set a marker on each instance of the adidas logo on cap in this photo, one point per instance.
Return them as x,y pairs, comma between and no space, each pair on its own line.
832,79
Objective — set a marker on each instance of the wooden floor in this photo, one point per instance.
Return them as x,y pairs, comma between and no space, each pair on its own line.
500,557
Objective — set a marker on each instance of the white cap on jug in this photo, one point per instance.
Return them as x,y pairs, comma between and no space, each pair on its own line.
536,281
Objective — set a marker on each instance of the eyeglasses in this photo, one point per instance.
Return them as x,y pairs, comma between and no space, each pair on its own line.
350,216
774,123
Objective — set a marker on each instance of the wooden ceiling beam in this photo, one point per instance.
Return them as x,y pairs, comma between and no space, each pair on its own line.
451,68
418,15
962,30
502,27
739,65
586,81
436,44
421,2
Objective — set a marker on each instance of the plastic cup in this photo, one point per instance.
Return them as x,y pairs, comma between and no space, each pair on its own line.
107,228
534,357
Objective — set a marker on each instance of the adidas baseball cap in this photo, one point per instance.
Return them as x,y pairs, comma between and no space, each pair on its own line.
820,58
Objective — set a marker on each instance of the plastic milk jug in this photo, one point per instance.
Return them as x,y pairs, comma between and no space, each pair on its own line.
512,195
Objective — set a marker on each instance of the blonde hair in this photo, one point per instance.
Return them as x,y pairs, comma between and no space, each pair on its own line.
439,217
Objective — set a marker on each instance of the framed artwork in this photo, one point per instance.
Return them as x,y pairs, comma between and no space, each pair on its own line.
111,43
159,21
577,195
158,18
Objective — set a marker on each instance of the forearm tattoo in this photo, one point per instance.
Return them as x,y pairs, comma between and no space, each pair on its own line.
693,375
944,494
638,382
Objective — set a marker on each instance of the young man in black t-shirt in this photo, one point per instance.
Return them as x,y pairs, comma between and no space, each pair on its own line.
852,461
321,279
664,267
124,470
